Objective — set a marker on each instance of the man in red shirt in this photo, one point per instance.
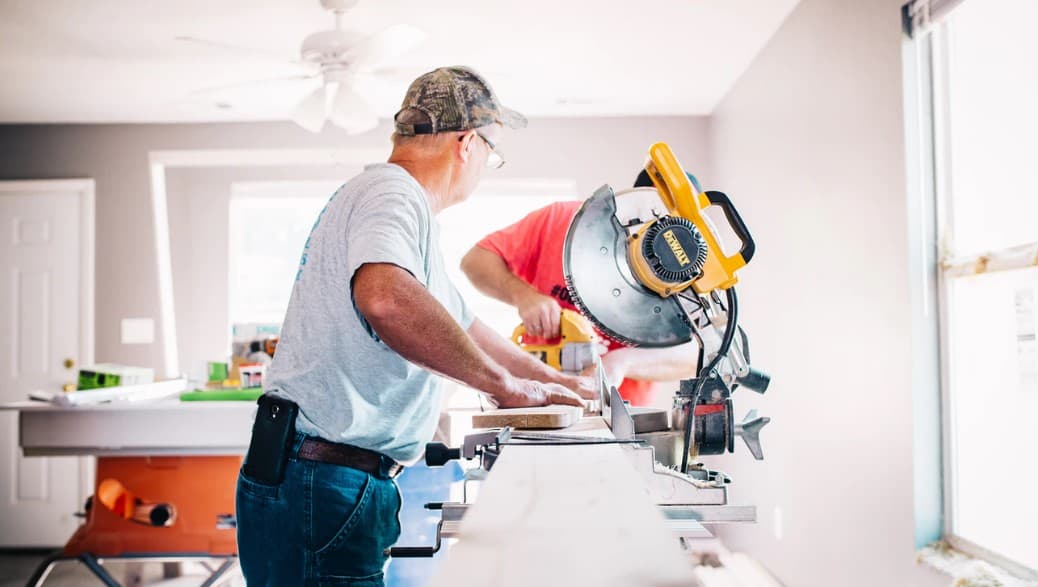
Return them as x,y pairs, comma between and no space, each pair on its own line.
521,265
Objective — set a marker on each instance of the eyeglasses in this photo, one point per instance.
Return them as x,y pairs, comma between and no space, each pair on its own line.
494,159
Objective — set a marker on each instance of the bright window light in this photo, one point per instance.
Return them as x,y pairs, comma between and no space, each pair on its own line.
986,98
992,102
270,223
494,206
268,227
993,385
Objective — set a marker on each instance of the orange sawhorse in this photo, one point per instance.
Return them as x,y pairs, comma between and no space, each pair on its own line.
200,489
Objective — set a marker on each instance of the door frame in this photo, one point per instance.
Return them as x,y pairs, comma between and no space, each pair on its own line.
83,189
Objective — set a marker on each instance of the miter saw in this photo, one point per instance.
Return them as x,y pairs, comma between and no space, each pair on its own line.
647,267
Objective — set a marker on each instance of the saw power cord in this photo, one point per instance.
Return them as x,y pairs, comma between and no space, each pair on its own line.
708,371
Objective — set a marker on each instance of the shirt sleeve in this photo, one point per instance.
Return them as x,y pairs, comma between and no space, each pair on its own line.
389,228
519,245
465,316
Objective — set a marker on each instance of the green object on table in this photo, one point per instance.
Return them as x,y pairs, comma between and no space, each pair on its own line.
222,395
217,371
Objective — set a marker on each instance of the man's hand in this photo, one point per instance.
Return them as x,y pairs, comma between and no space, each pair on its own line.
540,314
524,393
584,385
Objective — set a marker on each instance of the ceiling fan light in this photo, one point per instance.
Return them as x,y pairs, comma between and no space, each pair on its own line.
310,113
351,113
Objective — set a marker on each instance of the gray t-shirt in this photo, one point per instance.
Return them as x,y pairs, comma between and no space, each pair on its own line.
351,387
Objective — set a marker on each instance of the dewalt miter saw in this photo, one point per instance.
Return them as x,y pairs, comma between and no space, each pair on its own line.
647,267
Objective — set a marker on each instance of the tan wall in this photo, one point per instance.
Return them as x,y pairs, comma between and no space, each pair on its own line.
809,144
592,151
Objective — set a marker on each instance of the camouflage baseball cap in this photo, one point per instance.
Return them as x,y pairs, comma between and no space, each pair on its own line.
454,98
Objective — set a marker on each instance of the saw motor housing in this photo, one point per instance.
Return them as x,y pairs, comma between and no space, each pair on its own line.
682,249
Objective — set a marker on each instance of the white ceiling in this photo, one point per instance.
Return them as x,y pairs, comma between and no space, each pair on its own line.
117,60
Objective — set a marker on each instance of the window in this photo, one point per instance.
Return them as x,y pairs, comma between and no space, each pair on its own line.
268,225
495,205
270,222
984,138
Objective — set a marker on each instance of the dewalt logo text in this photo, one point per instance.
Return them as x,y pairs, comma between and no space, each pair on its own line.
676,247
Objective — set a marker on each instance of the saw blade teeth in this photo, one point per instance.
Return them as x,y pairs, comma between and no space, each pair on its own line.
605,330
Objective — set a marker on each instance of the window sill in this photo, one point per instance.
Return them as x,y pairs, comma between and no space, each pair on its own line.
967,571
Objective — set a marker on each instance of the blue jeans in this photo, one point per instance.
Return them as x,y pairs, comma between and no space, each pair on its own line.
324,525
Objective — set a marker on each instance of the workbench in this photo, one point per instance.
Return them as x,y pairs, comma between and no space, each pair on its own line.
564,515
558,515
186,454
153,428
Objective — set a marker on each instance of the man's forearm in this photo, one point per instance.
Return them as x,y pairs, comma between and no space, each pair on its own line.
415,325
664,364
491,276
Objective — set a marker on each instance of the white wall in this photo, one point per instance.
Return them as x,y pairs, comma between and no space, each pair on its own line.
592,151
809,145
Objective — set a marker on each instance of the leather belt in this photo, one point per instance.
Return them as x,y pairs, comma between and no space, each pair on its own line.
369,461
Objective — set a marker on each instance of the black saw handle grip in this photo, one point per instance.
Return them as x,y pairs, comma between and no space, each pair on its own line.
438,454
735,221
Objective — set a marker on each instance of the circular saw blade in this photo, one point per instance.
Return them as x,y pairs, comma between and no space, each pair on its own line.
602,286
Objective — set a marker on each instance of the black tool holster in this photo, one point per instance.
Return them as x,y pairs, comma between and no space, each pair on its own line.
273,433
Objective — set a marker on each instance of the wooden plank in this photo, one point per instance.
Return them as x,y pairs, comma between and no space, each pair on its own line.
565,515
545,417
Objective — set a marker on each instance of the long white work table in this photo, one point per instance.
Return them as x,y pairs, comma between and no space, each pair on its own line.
546,515
565,515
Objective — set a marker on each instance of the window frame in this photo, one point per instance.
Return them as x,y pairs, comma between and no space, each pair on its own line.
931,211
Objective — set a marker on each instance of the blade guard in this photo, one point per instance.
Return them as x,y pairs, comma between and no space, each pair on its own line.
681,199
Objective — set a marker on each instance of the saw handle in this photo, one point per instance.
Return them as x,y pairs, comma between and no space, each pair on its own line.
721,200
520,337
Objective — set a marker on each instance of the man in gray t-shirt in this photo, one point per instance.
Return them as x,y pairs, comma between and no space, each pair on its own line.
373,325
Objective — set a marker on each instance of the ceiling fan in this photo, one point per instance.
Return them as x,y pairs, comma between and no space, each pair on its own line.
337,58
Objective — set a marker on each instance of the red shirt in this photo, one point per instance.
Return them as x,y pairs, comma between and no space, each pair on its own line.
532,250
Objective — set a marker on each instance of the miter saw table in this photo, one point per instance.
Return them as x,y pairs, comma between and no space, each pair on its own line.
690,502
165,478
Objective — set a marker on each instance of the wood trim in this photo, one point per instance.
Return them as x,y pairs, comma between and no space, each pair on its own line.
1019,257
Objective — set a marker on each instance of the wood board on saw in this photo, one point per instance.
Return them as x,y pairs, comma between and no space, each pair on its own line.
543,417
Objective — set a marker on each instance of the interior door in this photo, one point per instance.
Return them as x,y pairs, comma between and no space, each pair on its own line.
41,334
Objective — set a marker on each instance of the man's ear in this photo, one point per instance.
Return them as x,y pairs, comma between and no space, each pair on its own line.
464,147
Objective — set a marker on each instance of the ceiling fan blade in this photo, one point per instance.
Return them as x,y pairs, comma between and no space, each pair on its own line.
248,52
351,112
310,113
247,83
391,42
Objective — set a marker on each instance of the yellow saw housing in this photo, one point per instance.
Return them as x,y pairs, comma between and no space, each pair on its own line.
573,350
684,202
